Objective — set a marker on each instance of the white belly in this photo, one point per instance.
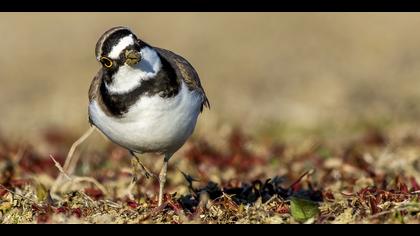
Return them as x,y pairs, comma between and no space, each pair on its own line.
153,124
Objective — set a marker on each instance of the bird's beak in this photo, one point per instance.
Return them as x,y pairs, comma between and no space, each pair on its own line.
132,57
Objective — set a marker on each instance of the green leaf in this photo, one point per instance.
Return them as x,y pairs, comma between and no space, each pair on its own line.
302,209
41,192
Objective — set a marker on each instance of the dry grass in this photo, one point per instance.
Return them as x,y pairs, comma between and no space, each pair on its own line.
372,178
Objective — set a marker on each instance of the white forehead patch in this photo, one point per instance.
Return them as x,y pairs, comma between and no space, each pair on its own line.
121,45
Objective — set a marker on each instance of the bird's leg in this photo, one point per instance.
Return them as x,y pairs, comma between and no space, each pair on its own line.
147,172
162,178
133,182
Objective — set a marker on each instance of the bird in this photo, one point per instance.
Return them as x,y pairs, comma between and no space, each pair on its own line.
144,98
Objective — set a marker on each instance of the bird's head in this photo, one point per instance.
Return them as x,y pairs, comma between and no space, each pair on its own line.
117,47
126,60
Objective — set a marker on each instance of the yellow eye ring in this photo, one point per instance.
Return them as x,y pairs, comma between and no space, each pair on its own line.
106,62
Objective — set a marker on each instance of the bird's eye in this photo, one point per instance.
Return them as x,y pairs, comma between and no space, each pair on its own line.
106,62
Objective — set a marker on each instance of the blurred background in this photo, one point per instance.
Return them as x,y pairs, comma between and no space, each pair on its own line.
275,73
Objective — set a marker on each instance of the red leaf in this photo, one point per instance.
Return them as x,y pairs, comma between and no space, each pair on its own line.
62,210
373,205
329,196
403,188
132,204
94,193
282,209
35,207
42,218
2,191
77,212
414,183
18,183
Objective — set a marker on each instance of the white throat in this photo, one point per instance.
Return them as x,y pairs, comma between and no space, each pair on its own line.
127,78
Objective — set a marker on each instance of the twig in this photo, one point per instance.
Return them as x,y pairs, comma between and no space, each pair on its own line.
309,172
89,198
147,172
13,192
398,208
19,155
91,180
60,168
111,204
79,179
67,164
75,145
274,197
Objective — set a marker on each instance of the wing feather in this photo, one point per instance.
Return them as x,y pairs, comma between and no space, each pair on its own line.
185,71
